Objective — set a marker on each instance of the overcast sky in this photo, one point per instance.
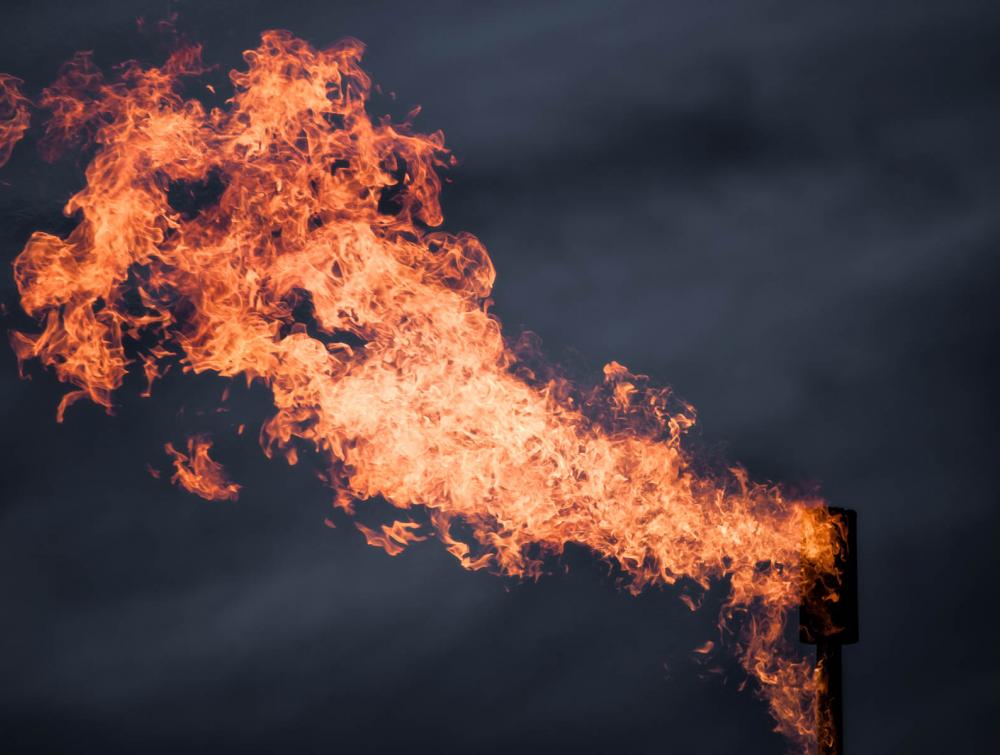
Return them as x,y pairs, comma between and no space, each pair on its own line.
785,210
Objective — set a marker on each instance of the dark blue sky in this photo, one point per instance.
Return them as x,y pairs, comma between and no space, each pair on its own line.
785,210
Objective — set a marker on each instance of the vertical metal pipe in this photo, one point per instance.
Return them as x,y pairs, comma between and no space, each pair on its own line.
829,698
830,626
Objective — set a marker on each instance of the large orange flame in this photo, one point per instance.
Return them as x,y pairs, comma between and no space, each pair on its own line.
309,263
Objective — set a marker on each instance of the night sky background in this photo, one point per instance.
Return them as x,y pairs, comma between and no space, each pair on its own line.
786,210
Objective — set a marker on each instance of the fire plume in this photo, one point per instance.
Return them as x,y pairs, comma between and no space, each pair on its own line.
306,259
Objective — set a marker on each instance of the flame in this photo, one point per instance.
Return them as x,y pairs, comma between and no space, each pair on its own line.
14,115
199,473
393,538
288,239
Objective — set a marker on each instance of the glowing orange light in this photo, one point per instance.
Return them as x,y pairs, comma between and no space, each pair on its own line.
316,271
14,115
198,473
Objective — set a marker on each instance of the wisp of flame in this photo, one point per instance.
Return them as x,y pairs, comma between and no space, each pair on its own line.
317,272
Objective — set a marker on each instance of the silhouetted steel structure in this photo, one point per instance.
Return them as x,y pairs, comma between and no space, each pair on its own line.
830,628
